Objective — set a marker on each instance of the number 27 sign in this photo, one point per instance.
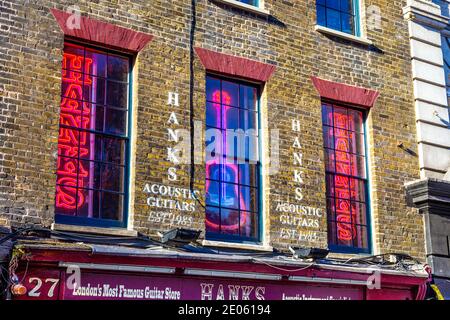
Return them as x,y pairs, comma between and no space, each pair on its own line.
40,284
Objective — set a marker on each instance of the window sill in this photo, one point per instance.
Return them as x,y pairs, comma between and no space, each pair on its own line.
244,6
347,256
232,245
343,35
95,230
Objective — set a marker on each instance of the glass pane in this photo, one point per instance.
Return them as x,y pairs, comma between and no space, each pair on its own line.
117,94
68,142
89,174
330,184
73,58
333,19
321,15
333,4
213,115
212,193
111,206
248,174
344,140
347,23
230,94
249,224
90,146
66,173
330,164
71,112
331,208
89,94
213,144
66,200
235,145
346,6
73,88
213,171
327,115
358,166
332,233
90,200
116,121
113,178
230,118
349,141
321,2
118,68
230,173
359,212
357,190
359,144
249,199
328,139
355,120
343,163
113,150
82,198
229,221
229,196
340,118
342,187
251,149
99,91
345,234
248,97
343,210
248,121
99,63
212,89
361,238
212,222
97,118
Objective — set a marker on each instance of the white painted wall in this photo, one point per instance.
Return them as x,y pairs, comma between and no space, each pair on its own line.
426,28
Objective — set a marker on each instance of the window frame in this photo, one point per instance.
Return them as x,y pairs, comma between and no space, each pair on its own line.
356,12
256,5
233,238
367,185
446,49
97,222
256,9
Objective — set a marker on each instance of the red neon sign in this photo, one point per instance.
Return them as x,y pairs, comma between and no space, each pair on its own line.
73,144
345,188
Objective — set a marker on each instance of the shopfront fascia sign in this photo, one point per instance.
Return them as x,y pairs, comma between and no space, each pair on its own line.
51,284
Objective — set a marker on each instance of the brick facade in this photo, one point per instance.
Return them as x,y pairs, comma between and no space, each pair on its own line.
30,80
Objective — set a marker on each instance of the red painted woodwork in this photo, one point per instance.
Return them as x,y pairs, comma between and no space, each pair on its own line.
44,263
102,33
235,66
52,257
345,93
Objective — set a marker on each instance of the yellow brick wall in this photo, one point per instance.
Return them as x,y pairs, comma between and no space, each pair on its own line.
30,89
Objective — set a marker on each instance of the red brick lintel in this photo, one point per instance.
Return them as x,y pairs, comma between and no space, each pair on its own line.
345,93
235,66
102,33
